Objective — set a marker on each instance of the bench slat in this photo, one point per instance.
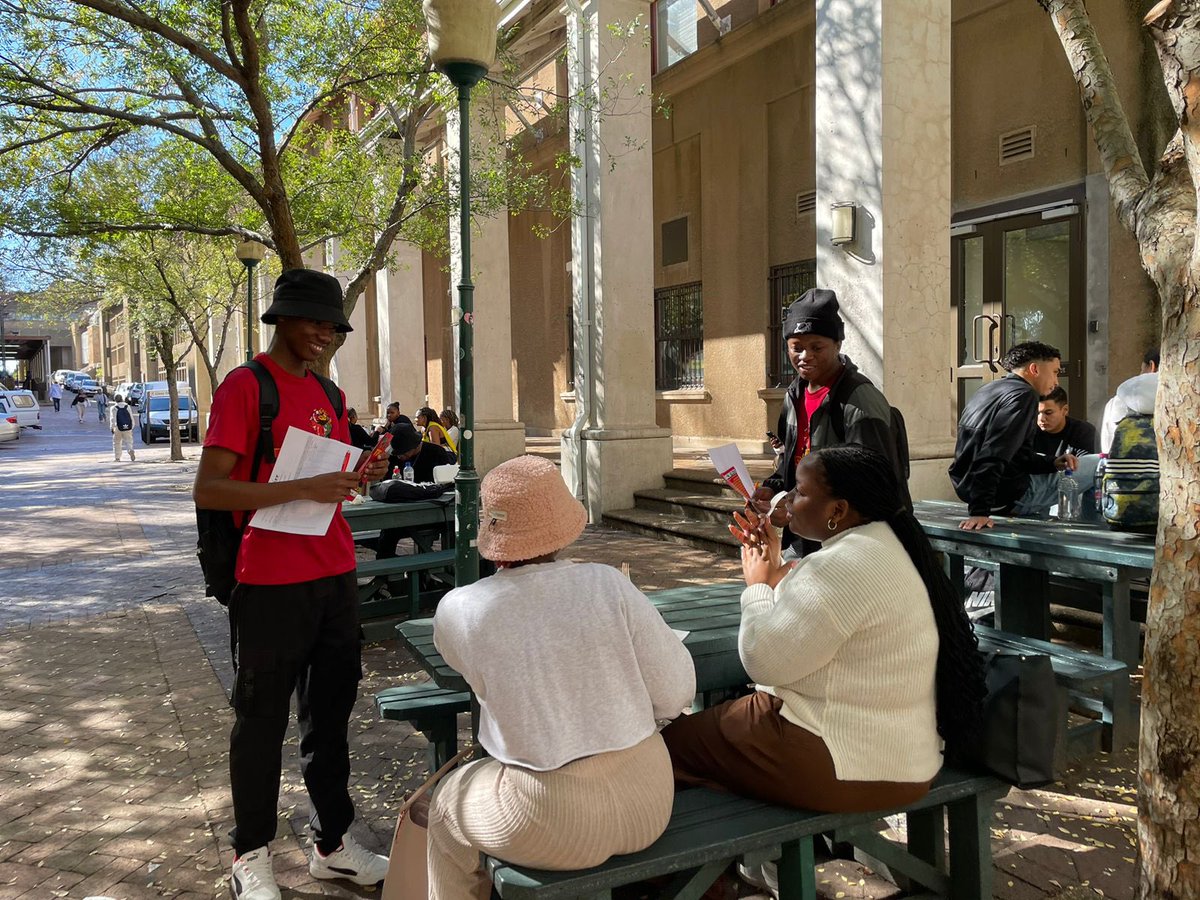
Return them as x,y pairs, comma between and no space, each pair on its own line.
399,565
1071,667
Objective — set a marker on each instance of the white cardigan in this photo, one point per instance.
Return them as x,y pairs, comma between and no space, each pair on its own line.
567,659
848,642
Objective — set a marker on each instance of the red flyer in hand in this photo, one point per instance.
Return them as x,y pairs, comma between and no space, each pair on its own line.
378,452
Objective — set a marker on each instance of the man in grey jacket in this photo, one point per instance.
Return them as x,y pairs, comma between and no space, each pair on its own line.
1134,397
830,403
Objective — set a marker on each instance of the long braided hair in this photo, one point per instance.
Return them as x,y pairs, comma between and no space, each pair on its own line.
865,480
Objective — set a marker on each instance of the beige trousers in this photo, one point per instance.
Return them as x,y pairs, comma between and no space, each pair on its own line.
122,440
570,818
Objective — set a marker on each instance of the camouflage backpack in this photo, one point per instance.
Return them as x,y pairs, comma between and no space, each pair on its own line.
1129,487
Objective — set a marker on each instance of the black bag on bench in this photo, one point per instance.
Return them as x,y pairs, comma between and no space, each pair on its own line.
1020,719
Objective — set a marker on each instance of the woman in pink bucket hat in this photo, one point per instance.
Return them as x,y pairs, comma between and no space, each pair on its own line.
574,668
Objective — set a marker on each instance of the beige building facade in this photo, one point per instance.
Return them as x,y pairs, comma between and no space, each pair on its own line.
956,131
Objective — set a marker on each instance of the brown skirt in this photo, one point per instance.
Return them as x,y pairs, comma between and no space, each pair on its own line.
746,747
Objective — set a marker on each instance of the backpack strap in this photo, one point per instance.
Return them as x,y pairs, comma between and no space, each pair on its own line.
332,392
268,409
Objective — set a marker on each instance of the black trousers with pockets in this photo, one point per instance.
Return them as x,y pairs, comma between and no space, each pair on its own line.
301,638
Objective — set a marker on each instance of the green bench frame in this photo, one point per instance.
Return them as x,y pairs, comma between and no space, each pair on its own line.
430,709
709,830
383,571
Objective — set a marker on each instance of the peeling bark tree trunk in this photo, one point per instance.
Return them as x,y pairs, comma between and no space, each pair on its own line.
1160,211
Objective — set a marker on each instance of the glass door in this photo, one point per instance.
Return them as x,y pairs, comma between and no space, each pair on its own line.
1016,280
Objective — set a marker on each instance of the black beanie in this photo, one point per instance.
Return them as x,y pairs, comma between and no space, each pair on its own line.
814,312
404,438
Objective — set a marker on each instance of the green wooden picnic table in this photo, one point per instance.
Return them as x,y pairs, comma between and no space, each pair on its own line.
1025,552
710,613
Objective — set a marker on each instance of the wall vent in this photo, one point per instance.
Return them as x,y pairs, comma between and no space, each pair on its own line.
806,203
675,241
1017,145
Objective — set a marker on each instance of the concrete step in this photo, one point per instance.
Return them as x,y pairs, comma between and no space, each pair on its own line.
698,481
676,527
698,507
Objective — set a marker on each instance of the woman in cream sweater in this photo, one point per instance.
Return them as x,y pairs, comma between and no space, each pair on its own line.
573,667
863,657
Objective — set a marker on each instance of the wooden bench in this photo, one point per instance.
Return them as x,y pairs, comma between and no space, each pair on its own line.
431,710
709,830
1078,676
381,571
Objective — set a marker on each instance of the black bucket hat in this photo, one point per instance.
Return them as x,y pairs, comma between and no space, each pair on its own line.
308,294
814,312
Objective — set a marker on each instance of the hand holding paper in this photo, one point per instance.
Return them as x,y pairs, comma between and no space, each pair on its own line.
324,461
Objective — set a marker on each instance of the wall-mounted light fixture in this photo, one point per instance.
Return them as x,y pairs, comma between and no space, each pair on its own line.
842,226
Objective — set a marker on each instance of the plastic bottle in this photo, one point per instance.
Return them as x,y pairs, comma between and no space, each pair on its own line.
1069,496
1099,488
408,473
396,473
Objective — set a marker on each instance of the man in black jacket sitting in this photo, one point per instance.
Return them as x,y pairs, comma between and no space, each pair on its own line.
994,455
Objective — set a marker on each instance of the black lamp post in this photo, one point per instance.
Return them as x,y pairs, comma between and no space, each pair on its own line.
251,254
462,44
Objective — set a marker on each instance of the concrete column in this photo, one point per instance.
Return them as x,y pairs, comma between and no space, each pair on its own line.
883,141
498,434
400,311
615,447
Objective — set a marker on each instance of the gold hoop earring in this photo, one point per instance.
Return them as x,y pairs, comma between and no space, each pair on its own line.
831,525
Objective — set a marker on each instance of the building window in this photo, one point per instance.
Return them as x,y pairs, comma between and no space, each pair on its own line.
679,338
674,31
787,283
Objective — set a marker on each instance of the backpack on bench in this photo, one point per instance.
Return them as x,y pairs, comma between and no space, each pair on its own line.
219,536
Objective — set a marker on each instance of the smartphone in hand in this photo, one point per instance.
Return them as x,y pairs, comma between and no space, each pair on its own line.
379,451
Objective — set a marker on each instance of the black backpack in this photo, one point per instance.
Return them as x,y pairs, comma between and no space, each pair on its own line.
123,419
219,536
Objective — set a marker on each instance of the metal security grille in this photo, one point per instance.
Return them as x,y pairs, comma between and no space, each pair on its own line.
679,338
787,283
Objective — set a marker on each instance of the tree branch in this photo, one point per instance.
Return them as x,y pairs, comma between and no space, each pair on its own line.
1127,177
138,19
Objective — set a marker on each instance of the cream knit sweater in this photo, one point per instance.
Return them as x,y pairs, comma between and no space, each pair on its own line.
848,642
567,659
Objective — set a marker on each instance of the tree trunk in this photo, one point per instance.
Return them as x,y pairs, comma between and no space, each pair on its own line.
1161,213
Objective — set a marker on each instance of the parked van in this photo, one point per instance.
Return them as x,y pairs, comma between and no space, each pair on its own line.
155,410
25,406
61,375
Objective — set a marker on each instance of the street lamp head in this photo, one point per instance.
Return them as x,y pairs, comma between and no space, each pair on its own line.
462,37
250,253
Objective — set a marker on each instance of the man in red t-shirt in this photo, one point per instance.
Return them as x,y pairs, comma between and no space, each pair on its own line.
293,615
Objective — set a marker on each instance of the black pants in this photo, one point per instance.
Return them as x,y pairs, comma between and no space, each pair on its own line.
56,403
284,638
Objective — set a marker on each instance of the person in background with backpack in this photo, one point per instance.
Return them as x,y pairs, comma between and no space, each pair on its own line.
1135,397
293,612
120,423
829,404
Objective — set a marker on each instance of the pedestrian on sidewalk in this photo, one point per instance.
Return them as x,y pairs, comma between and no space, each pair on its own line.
120,422
102,404
79,404
56,395
293,613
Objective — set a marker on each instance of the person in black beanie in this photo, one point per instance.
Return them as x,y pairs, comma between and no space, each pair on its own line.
829,404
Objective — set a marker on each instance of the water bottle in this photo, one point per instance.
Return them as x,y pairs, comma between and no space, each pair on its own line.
1098,494
396,473
408,473
1069,496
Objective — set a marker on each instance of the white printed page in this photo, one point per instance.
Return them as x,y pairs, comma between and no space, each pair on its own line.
304,455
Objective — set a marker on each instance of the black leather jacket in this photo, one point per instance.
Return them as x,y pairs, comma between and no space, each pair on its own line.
994,455
866,420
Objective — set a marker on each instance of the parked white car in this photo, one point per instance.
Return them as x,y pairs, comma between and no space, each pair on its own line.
9,429
25,406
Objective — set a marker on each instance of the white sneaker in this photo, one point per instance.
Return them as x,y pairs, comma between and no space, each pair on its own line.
764,876
252,878
351,861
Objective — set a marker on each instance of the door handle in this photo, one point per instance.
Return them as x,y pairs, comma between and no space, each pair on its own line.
975,334
992,329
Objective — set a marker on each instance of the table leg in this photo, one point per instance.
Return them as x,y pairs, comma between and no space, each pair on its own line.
1120,642
955,567
1022,601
